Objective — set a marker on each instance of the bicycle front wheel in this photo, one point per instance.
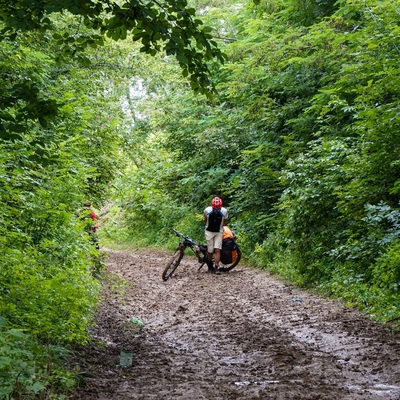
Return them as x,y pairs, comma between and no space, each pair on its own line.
173,264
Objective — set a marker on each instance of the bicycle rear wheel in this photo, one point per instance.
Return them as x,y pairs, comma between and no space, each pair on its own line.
229,267
173,263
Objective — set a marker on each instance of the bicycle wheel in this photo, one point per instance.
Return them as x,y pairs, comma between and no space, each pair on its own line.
229,267
173,263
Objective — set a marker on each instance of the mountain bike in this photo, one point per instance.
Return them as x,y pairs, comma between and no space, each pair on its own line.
200,250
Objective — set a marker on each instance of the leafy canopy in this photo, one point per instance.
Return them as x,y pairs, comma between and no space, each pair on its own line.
168,26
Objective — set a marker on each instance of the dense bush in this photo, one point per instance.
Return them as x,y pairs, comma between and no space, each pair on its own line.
301,143
64,126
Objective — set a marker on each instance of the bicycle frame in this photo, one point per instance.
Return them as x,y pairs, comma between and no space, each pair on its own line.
199,249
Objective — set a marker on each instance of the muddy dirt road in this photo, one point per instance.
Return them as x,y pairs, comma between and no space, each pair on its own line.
241,335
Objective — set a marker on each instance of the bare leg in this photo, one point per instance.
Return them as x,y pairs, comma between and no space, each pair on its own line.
217,257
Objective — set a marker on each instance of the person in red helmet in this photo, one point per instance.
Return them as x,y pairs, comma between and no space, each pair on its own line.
215,217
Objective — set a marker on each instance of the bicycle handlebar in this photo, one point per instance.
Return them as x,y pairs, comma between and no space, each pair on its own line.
178,233
184,237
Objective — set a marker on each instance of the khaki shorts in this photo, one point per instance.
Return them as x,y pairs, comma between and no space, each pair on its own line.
214,241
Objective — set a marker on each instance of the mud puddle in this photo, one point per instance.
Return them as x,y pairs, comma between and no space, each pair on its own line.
241,335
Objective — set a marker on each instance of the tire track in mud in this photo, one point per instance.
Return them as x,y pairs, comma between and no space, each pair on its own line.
241,335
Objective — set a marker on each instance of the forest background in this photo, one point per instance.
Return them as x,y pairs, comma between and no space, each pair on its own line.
297,130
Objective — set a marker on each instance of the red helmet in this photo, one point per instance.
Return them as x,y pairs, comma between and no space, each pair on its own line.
216,202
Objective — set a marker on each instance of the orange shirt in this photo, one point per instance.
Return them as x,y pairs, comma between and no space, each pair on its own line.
227,233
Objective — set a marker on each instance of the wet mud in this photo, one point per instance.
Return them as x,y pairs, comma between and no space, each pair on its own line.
241,335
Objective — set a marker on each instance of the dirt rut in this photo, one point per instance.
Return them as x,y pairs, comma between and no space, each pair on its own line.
241,335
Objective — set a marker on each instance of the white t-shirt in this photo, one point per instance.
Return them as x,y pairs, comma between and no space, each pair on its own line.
215,220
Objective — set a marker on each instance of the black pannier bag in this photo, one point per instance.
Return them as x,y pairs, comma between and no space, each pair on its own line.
228,251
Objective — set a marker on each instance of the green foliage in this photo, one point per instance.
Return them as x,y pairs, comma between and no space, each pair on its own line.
308,12
149,212
302,144
168,26
52,303
59,147
22,80
45,275
28,369
374,290
64,129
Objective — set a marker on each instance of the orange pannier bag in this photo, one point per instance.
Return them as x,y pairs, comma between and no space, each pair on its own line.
228,252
